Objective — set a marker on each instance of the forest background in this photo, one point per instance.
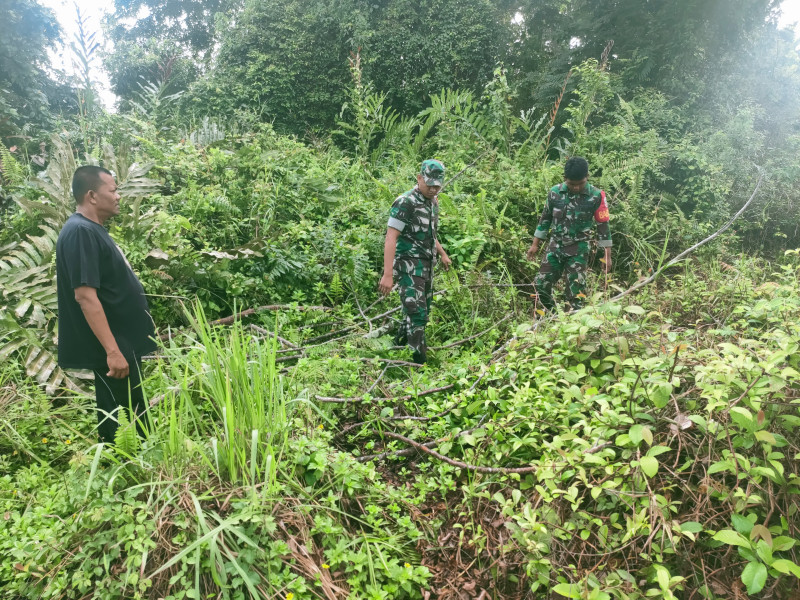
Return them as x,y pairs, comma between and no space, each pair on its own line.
644,447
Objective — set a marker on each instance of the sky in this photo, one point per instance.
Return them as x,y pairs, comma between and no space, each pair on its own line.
95,9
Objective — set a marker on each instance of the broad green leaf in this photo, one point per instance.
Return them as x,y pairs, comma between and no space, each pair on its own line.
662,575
732,538
765,436
786,567
658,450
647,436
661,394
722,465
782,542
741,524
764,552
743,418
635,433
649,465
692,526
634,309
568,590
754,577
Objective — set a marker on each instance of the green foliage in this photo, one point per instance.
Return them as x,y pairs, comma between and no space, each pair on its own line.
12,173
27,30
660,432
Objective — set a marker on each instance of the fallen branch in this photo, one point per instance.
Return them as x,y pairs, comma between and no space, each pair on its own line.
287,358
426,448
685,253
361,322
461,172
378,380
472,337
438,415
411,451
384,398
267,333
457,463
251,311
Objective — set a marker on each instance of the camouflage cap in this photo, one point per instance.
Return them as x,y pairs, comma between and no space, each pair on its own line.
432,172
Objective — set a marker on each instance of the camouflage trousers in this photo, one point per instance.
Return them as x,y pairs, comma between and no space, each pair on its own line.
414,278
572,260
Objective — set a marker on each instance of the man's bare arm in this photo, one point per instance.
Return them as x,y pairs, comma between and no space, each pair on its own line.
86,297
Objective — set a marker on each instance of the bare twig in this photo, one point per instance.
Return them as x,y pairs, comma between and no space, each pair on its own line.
377,381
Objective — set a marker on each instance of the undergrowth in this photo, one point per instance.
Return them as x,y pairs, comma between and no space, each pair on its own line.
656,439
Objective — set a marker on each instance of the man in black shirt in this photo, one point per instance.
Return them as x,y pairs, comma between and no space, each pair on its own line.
104,322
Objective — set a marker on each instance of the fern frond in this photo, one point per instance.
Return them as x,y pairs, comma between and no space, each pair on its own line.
12,174
125,438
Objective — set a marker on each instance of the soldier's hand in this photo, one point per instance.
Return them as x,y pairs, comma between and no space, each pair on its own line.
446,262
117,365
385,285
532,251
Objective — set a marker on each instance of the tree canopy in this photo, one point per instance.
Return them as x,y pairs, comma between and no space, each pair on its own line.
27,31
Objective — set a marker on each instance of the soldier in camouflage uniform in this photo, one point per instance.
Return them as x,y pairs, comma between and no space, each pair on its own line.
569,213
409,252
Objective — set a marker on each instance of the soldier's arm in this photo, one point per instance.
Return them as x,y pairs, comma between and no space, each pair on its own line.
542,229
398,219
389,248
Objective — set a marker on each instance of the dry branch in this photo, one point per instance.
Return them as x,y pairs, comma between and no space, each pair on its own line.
335,400
250,311
267,333
472,337
457,463
688,251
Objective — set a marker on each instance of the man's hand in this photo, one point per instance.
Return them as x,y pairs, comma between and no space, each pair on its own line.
533,249
385,285
446,262
117,365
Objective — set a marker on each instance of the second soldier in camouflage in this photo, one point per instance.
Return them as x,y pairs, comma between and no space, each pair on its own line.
409,251
570,213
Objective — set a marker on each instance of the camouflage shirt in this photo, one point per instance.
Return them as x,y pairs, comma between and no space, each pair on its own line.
570,216
417,219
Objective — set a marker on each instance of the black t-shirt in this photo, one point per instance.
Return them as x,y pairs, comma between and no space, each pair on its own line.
87,256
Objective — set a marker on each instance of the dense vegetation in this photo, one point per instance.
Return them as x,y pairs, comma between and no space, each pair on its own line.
646,446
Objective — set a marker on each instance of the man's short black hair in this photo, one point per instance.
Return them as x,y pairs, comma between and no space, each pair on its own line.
85,179
576,168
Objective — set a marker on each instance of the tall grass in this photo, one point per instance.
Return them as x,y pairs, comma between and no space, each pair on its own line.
225,399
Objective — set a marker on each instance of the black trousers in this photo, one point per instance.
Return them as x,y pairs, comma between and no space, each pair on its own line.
113,394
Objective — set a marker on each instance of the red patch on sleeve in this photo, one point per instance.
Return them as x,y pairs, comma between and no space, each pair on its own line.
601,215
